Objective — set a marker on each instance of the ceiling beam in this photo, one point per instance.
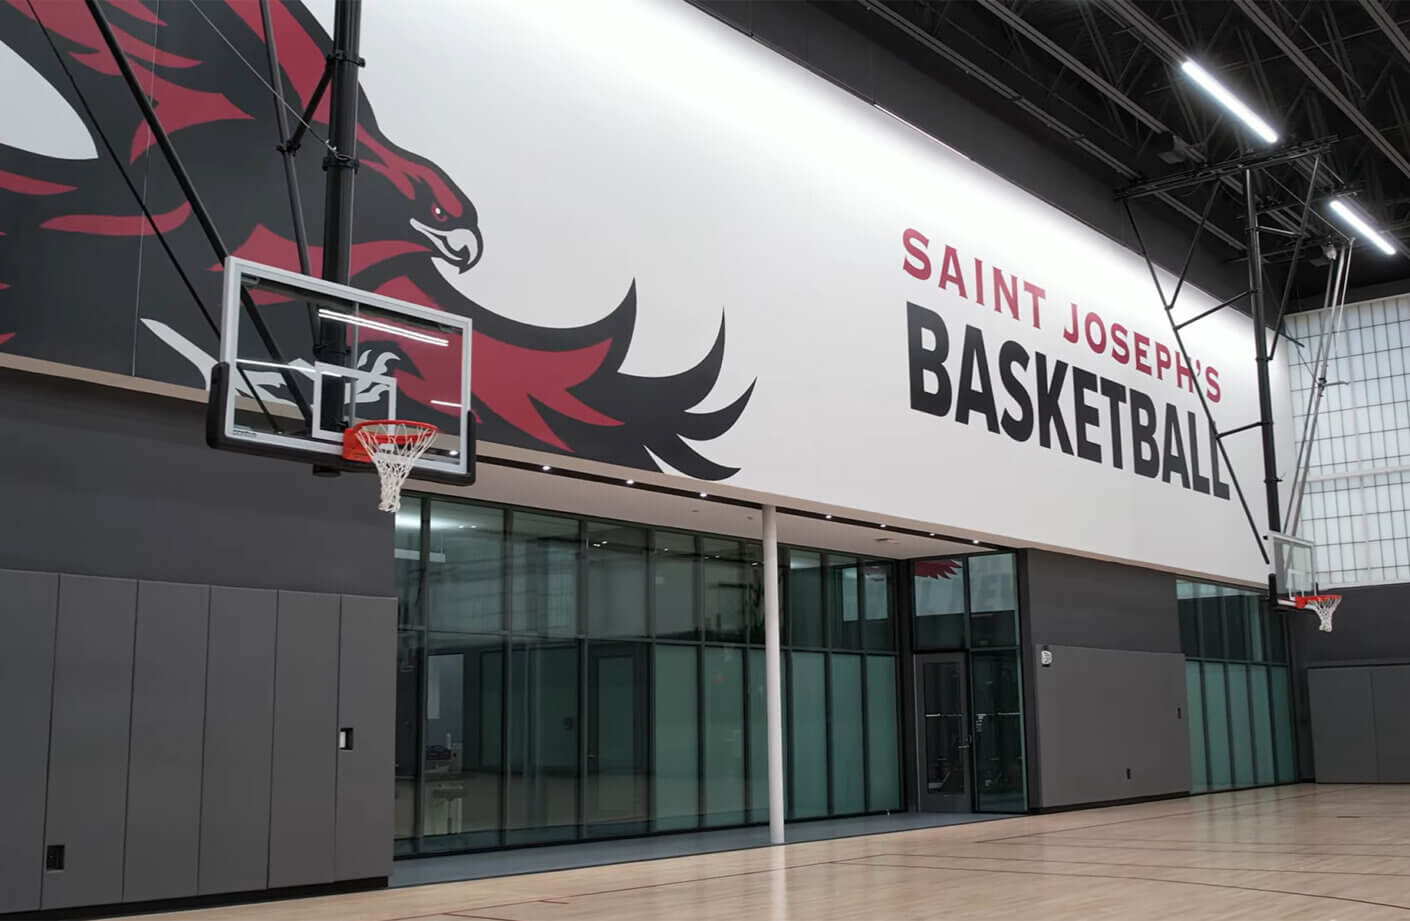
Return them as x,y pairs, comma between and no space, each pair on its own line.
969,68
1323,83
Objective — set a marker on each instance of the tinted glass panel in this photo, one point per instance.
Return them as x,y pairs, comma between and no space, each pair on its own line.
883,760
1236,628
675,739
1194,712
618,769
805,599
939,604
991,583
674,563
999,781
407,553
1275,636
758,739
408,731
1240,724
1216,721
1211,623
1282,725
733,590
544,551
464,745
993,628
465,575
1264,760
878,606
724,736
543,741
616,578
1189,627
808,711
848,741
844,612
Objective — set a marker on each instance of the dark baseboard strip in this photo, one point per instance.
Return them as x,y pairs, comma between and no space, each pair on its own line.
1130,801
121,909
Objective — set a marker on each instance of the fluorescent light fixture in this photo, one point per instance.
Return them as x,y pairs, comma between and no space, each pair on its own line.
1229,101
445,403
1357,223
339,317
251,362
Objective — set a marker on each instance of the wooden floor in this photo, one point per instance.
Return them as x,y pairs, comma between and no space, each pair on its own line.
1287,853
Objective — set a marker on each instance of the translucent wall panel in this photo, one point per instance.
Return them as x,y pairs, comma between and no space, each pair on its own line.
724,735
463,752
1194,697
939,604
673,567
1355,513
544,551
844,614
849,792
465,571
805,599
808,734
616,577
879,606
675,739
883,743
407,553
1000,781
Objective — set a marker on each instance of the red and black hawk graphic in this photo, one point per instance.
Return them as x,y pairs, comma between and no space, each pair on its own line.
82,280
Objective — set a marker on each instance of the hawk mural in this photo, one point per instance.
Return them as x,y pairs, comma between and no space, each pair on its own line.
84,281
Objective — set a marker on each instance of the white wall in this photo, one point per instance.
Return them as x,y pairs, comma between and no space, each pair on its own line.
642,140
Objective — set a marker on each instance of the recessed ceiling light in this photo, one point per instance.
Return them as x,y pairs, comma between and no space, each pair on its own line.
932,533
462,526
704,495
631,482
883,526
546,468
976,542
828,517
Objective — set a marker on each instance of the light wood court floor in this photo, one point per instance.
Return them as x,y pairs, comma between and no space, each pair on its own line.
1285,853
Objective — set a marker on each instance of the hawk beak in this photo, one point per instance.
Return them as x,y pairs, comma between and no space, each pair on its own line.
461,246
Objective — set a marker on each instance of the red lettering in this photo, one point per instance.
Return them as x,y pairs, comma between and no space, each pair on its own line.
1183,377
1143,344
1120,350
950,271
921,268
1005,292
1211,384
1037,294
1095,344
1162,359
979,282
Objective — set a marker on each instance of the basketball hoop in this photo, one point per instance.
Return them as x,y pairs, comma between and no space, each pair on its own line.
392,446
1324,605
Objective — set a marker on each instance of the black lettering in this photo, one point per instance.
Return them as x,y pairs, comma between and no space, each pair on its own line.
1049,410
1020,427
1221,489
1085,414
1116,395
1145,453
1201,482
922,360
1174,448
973,360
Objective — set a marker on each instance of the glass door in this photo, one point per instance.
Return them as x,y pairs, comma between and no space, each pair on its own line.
942,733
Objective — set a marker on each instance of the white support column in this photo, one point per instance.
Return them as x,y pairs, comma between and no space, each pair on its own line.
773,675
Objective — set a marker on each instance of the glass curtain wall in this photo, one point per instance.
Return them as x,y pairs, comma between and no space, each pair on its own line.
1237,685
971,604
562,679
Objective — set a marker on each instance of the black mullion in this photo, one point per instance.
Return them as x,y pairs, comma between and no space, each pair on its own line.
423,615
584,677
866,713
700,736
827,596
506,625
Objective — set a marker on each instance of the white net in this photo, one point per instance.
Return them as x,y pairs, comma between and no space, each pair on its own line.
1325,606
393,448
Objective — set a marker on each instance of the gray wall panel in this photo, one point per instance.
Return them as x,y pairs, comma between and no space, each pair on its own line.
87,797
28,608
1343,725
367,703
164,765
209,517
304,778
1390,692
239,696
1103,712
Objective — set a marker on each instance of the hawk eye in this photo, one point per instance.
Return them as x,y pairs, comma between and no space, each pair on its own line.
438,213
